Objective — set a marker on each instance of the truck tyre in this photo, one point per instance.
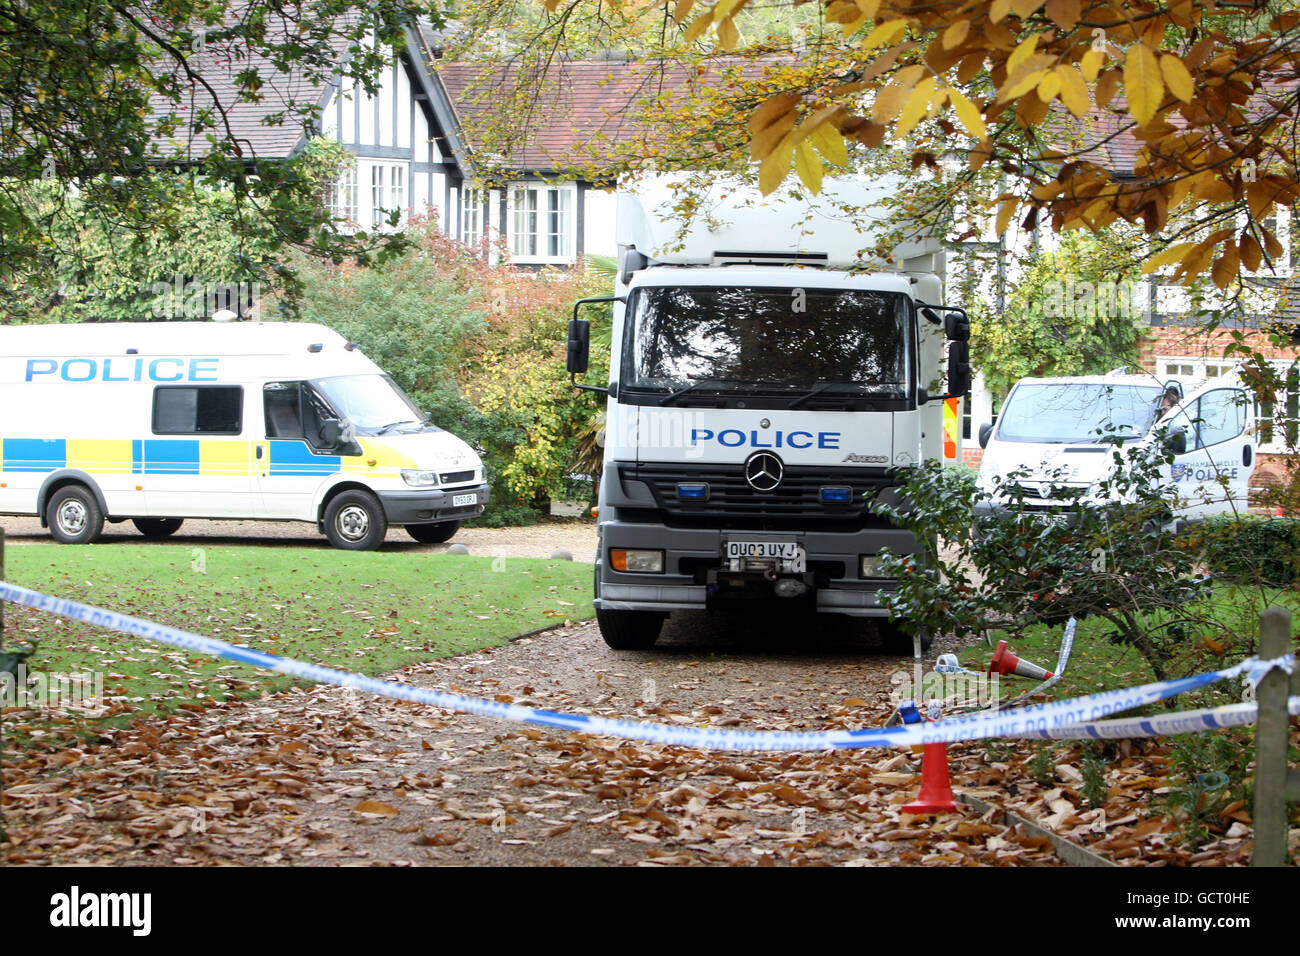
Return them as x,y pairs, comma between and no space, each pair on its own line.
433,533
630,630
355,521
73,515
898,641
157,527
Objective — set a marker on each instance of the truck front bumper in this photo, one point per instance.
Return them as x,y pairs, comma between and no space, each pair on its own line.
690,554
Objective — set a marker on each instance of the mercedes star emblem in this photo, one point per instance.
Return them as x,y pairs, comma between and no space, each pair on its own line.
764,471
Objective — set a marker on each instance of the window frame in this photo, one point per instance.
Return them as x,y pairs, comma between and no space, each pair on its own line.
159,389
540,233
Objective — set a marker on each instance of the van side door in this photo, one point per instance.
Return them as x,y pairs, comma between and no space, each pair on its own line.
293,462
1214,474
198,461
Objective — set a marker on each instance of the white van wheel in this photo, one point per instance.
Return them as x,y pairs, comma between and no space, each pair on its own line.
355,521
73,516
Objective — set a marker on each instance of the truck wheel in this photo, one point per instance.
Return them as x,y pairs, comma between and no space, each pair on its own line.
157,527
355,521
73,515
898,641
629,630
433,533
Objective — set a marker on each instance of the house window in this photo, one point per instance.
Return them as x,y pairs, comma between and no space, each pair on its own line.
471,217
376,195
398,191
341,196
541,223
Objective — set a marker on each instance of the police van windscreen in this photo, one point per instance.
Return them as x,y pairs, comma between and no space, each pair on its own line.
753,339
1078,413
370,401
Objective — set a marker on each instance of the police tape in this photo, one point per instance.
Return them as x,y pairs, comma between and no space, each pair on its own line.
1025,721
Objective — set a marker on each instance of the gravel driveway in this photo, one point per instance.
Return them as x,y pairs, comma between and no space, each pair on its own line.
535,541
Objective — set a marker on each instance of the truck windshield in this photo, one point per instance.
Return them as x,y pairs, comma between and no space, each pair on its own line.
720,339
1074,412
370,401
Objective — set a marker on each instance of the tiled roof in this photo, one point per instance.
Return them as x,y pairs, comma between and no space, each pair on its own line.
579,109
255,126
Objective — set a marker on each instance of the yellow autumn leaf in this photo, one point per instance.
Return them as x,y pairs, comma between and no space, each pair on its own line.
1167,256
868,7
1025,8
1048,87
682,10
956,34
728,34
1226,267
1022,53
1091,64
918,104
889,101
884,34
723,9
809,166
998,10
967,113
1005,213
1142,83
830,143
775,166
697,28
1074,91
1177,78
1021,82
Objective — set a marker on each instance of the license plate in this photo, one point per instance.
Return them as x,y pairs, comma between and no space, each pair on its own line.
460,501
786,555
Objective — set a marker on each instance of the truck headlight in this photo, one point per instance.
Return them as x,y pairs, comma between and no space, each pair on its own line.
419,479
640,562
871,566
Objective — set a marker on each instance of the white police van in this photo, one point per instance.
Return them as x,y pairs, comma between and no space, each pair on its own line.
159,422
1056,434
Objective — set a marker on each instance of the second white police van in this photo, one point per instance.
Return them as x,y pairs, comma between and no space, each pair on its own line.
1056,435
159,422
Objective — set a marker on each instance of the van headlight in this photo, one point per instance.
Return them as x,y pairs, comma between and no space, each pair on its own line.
419,479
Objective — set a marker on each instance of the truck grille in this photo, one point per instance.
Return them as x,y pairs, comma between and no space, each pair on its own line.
455,477
798,495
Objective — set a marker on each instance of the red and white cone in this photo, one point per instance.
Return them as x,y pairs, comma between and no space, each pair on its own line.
1004,662
936,787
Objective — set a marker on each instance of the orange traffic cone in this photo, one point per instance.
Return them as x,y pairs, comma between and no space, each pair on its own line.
1004,662
936,788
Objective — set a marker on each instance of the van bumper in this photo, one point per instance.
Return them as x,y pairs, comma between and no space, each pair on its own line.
432,507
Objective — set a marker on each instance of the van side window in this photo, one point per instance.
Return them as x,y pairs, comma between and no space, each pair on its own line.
294,410
198,409
283,418
1221,416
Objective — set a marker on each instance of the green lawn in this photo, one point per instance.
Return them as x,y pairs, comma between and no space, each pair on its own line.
361,611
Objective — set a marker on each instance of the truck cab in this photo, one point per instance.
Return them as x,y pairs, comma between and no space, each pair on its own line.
768,383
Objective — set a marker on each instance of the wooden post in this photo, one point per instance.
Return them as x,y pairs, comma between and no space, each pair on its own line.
1271,732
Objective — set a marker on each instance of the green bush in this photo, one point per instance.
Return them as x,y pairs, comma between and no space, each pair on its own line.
1250,549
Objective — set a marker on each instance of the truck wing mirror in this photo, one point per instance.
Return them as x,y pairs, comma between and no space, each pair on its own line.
579,346
958,368
956,325
1176,441
986,432
330,432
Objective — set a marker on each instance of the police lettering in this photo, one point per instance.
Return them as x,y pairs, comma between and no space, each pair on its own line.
123,370
735,438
